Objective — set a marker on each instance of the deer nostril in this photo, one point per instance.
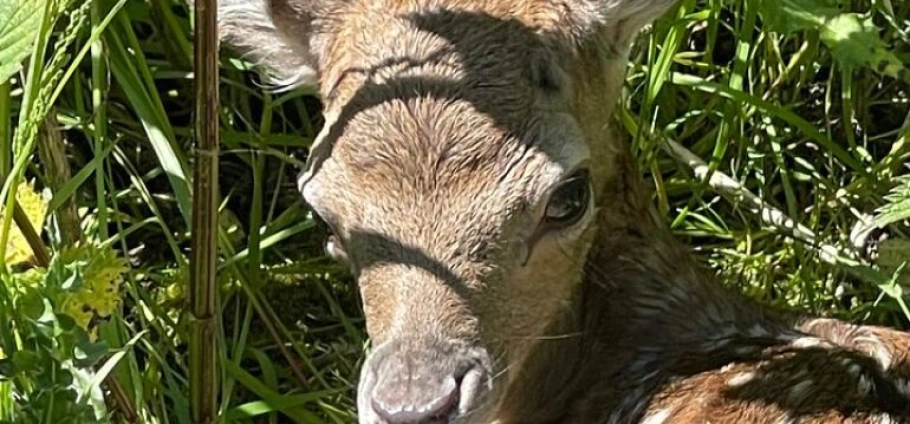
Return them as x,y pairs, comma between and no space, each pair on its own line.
416,402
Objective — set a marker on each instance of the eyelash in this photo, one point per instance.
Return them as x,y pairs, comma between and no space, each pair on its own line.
579,200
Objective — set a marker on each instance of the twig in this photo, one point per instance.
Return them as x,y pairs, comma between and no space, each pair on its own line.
52,153
42,257
769,215
121,402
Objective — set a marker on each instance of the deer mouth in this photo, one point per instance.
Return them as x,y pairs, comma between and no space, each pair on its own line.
424,386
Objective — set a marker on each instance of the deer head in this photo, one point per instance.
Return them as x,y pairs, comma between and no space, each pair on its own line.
465,167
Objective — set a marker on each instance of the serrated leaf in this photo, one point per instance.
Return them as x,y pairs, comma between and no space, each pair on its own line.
898,206
852,38
855,42
894,212
20,22
788,16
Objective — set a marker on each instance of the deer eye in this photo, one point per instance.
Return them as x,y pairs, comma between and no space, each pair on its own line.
569,201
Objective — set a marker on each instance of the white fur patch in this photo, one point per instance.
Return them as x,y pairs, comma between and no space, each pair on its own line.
740,379
880,352
807,342
658,417
885,419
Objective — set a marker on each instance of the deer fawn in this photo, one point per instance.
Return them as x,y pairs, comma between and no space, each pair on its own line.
510,265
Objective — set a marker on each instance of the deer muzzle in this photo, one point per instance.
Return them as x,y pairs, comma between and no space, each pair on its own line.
428,383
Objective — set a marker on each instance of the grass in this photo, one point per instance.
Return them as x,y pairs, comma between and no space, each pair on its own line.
777,145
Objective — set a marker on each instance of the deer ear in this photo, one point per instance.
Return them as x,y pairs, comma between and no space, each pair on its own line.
621,19
282,37
634,14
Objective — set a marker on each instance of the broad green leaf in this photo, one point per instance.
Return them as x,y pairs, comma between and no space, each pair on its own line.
20,22
787,16
855,42
852,38
87,353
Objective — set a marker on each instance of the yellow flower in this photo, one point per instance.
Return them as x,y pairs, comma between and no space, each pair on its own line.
35,207
99,294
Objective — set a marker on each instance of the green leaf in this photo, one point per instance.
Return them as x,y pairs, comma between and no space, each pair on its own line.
6,369
898,206
89,394
893,255
855,42
788,16
26,361
128,66
892,287
778,111
852,38
20,22
87,354
270,398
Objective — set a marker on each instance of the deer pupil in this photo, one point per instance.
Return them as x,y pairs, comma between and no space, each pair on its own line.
569,202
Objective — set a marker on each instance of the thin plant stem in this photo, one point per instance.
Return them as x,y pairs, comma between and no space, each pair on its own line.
203,291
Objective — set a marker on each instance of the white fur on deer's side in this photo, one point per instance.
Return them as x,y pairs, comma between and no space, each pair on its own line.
658,417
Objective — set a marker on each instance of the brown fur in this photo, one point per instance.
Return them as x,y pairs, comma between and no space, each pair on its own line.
449,123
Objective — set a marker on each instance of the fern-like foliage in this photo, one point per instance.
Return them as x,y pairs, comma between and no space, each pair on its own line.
897,206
